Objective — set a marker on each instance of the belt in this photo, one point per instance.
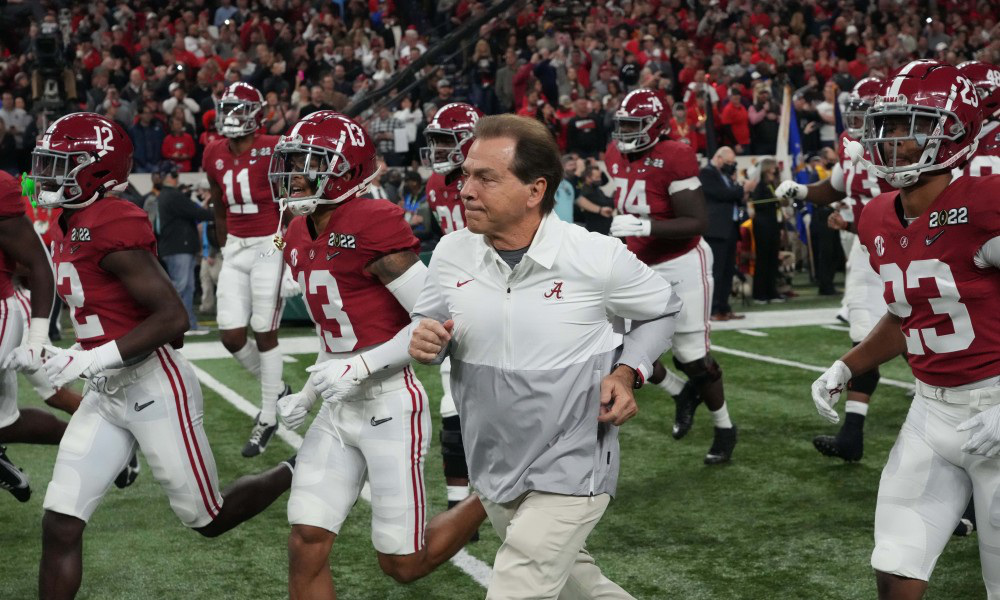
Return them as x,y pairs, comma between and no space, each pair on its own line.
953,396
111,381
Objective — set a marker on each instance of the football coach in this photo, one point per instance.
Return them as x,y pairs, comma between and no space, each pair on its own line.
533,313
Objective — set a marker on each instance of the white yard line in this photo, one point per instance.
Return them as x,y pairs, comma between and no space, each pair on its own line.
468,564
751,332
792,363
837,327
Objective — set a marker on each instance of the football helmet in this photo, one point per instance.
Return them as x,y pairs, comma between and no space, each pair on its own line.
80,157
449,137
640,120
860,99
326,158
986,78
240,110
929,103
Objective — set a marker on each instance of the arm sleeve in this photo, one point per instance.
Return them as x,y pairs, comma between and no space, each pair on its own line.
837,178
407,287
646,341
393,354
430,303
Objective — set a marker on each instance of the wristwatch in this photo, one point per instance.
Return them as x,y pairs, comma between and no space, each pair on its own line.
638,378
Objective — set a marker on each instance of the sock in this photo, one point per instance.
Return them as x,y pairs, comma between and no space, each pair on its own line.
457,493
720,418
271,367
857,408
249,357
854,418
672,383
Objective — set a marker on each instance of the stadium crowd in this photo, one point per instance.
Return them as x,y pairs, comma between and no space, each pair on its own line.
159,69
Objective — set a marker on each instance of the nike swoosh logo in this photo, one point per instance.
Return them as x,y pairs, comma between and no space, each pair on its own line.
461,283
330,256
139,407
380,421
931,240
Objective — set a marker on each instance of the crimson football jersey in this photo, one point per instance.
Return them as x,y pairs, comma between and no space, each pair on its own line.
246,191
860,184
350,307
642,188
986,160
445,203
946,302
102,309
10,206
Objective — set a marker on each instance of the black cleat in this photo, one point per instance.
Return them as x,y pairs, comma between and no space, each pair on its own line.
686,401
260,435
475,536
12,478
847,448
722,446
129,473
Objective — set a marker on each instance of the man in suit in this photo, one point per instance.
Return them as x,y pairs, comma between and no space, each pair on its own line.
724,198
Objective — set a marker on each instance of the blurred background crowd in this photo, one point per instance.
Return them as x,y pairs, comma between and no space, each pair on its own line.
158,68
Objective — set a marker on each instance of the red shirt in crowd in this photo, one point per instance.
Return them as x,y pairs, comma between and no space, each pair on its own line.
179,149
735,115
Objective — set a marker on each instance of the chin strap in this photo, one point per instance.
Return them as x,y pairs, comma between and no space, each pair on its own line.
278,240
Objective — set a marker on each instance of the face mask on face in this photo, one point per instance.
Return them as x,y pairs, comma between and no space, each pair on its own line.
729,169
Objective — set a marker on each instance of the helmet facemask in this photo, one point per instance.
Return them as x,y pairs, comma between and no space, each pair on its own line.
631,134
443,153
54,174
236,118
888,125
854,117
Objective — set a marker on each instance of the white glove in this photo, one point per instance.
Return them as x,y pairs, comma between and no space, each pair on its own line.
791,190
629,226
338,379
985,440
28,356
66,365
293,408
827,389
289,287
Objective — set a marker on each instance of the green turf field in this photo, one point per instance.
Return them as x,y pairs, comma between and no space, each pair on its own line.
781,521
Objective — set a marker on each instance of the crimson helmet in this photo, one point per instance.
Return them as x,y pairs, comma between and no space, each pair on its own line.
240,110
449,137
80,157
860,99
986,78
326,151
929,103
640,120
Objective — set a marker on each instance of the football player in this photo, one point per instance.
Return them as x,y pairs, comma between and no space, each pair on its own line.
852,185
246,218
661,215
140,392
986,78
356,263
21,345
449,137
936,246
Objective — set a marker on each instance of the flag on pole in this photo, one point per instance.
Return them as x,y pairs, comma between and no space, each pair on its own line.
838,118
781,152
795,147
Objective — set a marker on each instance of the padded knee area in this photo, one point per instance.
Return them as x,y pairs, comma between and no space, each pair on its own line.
701,371
865,383
452,449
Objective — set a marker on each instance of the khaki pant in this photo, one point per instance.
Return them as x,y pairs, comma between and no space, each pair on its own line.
543,554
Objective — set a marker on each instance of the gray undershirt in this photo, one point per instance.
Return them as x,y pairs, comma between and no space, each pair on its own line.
513,257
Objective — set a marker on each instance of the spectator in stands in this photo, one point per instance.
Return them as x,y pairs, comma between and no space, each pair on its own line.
482,73
383,130
735,116
444,93
147,141
178,98
504,87
178,146
315,104
764,115
585,133
409,118
565,198
827,113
